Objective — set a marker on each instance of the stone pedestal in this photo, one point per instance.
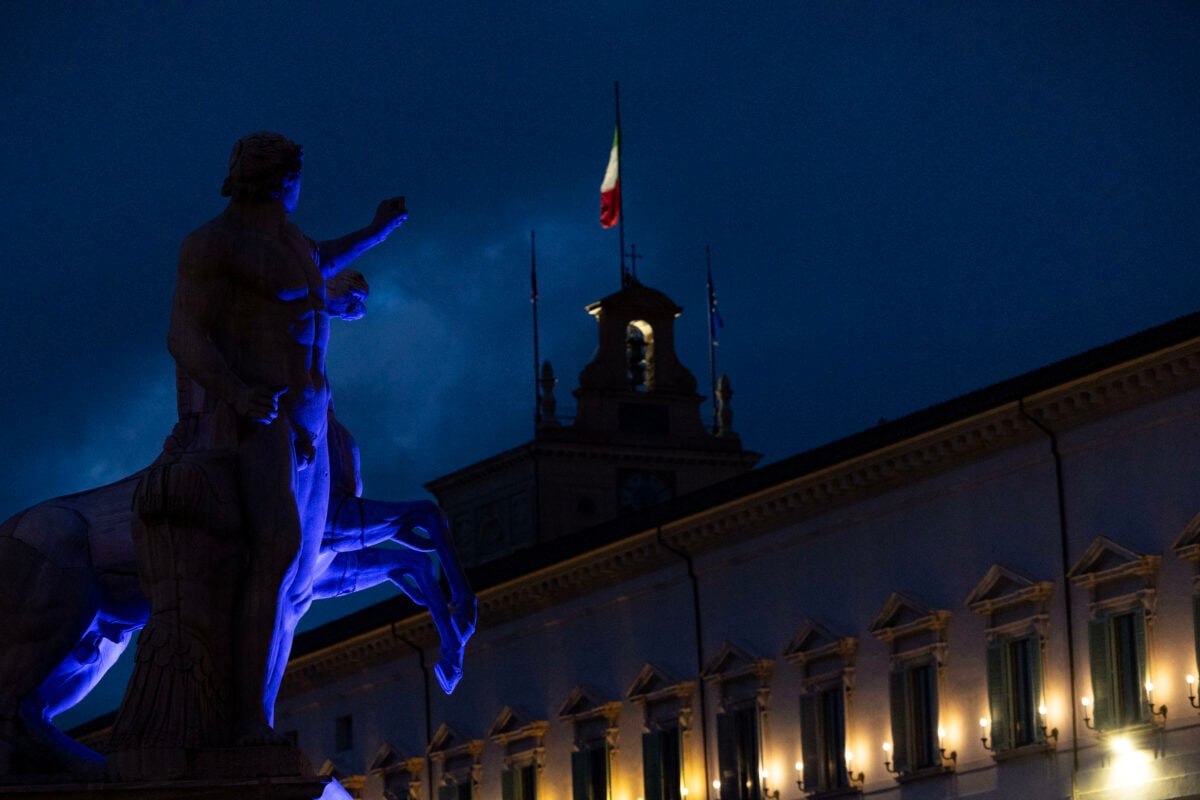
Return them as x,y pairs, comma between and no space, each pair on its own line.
256,762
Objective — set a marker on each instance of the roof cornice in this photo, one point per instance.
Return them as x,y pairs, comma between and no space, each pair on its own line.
790,496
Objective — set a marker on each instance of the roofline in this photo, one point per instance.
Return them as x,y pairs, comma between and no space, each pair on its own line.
1134,370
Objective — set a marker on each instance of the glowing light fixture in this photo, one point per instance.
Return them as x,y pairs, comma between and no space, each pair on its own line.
1161,711
855,779
763,775
1191,682
1053,732
887,755
1086,702
953,757
984,722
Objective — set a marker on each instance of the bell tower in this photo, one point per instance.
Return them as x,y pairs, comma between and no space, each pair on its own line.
635,387
636,440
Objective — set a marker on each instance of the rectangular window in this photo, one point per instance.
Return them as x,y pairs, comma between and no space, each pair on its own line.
589,773
738,754
1117,651
914,706
823,739
519,783
1014,682
662,765
343,733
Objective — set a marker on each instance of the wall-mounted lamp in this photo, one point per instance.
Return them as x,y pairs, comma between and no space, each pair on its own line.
1086,702
953,757
984,723
800,775
1191,682
1161,711
1053,732
763,775
854,780
887,758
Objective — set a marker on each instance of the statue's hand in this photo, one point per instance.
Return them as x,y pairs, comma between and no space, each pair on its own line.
390,215
346,294
259,404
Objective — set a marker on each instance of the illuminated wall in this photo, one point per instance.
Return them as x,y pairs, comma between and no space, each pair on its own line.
854,561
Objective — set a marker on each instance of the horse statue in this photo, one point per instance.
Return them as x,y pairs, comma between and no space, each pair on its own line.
71,598
70,602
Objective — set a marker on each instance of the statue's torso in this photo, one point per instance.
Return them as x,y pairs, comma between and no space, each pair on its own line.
271,325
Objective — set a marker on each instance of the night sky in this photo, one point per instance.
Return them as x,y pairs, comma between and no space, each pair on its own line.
904,201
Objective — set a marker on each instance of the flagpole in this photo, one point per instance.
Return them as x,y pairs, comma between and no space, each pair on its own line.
620,185
712,336
533,297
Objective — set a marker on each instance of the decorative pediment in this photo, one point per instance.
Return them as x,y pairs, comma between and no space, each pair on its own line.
666,701
652,683
813,642
594,722
1003,588
351,783
731,661
385,758
513,725
1106,561
742,679
446,743
1187,546
902,616
582,704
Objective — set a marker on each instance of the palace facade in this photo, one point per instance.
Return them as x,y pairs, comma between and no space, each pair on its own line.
995,597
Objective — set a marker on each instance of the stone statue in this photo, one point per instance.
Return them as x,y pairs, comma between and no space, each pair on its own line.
251,512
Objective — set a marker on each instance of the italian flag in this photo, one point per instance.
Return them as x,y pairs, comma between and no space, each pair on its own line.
610,190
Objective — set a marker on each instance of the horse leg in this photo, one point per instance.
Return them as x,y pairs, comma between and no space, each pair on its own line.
45,610
426,520
415,576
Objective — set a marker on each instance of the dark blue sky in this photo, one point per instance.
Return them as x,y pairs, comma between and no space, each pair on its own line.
905,201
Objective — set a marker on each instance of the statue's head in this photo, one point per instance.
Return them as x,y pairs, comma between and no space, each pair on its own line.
263,166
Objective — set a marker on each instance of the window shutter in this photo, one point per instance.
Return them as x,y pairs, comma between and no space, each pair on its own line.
727,755
652,772
1143,666
932,716
1196,626
998,695
750,763
833,734
581,777
671,749
601,782
897,695
1100,658
1035,686
810,729
527,783
508,784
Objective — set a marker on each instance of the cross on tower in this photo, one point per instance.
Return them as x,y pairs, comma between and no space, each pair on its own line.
633,256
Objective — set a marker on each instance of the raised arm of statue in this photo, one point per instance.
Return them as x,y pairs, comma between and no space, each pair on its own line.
336,254
198,296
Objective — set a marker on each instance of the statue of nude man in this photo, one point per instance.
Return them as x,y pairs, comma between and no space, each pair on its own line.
249,330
